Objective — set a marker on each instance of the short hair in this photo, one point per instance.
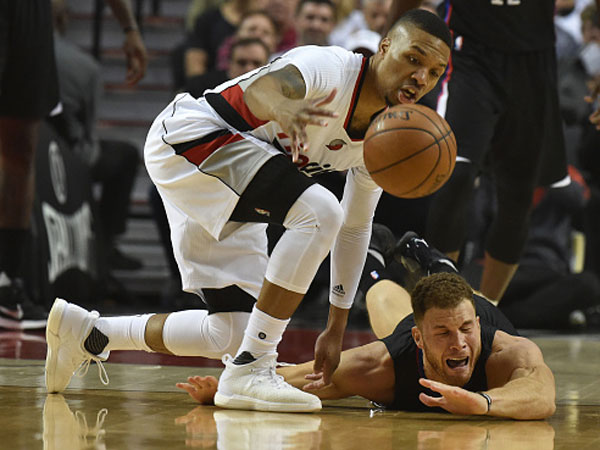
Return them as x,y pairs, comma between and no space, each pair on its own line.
246,42
329,3
264,13
441,290
427,21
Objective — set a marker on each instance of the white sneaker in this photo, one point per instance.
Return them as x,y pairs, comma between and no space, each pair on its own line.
65,430
68,327
256,386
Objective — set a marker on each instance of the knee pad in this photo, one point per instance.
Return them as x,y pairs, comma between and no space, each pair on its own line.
197,333
312,224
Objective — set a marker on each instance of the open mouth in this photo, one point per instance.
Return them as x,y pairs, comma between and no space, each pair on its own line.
455,363
408,95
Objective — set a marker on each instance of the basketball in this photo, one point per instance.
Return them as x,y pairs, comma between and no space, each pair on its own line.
409,150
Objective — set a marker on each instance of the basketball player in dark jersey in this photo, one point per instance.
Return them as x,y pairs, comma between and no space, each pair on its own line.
456,352
499,95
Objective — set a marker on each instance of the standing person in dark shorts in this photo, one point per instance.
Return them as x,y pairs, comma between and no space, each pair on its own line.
28,93
456,352
499,96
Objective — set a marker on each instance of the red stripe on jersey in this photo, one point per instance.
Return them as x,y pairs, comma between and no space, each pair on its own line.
235,97
354,93
199,153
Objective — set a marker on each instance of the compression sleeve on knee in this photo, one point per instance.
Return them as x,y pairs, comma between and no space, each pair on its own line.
312,223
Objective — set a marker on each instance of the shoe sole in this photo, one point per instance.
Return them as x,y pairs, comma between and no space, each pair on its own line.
52,341
253,404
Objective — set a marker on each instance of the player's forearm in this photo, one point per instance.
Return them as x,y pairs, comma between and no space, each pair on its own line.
526,398
337,320
122,11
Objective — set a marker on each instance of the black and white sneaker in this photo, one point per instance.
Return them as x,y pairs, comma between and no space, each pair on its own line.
17,311
419,259
382,243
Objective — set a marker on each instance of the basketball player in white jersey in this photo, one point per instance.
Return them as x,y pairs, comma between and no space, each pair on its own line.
221,164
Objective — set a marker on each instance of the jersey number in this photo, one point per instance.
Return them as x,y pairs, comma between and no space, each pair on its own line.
505,2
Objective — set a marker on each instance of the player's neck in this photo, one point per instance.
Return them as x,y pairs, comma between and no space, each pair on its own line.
369,99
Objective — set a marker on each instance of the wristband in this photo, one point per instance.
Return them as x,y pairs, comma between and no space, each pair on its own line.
488,399
130,28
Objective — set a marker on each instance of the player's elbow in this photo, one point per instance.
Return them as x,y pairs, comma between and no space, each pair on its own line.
543,408
548,409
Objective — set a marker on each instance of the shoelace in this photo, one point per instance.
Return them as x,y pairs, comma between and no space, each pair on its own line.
267,372
82,370
97,432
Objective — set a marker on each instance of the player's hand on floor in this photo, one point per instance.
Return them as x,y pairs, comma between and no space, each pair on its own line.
454,399
327,358
201,389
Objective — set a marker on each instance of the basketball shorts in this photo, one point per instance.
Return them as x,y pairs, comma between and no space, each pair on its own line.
218,209
28,79
504,111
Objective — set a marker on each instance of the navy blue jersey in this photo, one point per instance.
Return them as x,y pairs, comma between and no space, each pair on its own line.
408,359
505,25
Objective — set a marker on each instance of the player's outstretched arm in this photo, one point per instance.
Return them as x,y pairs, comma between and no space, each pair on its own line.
530,391
366,371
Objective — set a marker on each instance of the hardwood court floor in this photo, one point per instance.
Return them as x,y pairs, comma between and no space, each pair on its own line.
142,409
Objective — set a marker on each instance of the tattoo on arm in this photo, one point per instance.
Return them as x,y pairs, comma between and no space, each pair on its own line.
291,82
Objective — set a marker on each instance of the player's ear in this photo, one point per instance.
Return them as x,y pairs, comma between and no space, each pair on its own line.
417,336
384,45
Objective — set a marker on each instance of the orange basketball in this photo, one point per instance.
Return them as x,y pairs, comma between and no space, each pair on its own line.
409,150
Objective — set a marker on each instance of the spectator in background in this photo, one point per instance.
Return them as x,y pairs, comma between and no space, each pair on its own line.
372,15
314,21
212,27
283,12
568,17
576,75
246,54
255,24
28,92
364,42
197,7
113,164
546,292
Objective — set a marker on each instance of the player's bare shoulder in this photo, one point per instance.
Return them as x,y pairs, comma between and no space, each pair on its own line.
291,81
511,354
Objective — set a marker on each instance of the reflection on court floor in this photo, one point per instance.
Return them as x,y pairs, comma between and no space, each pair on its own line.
142,409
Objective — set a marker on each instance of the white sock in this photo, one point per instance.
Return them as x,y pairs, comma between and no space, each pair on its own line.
125,333
262,334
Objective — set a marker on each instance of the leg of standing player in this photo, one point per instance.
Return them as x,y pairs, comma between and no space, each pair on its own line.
28,92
